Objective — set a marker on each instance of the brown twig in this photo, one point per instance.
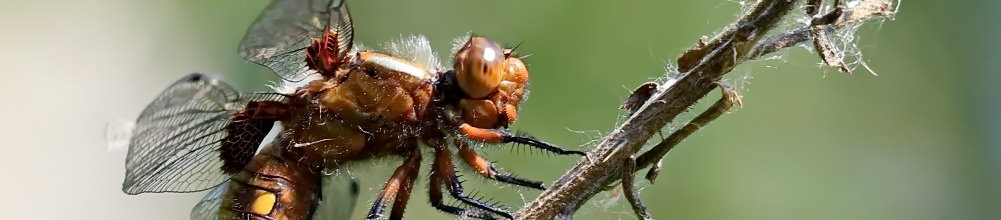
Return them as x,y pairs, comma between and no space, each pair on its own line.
700,68
863,11
729,99
628,188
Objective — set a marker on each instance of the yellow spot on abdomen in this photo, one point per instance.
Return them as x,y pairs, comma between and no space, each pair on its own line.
263,202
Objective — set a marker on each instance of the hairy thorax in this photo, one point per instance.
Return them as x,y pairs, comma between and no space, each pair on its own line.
374,106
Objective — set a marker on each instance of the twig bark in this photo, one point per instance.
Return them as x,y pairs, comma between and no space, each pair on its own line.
700,68
723,105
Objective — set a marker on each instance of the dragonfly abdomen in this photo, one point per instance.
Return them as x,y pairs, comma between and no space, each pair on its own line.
272,186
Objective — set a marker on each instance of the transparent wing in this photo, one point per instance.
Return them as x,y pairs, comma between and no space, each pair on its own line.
208,208
278,37
175,144
337,198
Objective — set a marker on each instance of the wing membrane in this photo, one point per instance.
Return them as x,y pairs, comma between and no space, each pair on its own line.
279,35
208,208
175,144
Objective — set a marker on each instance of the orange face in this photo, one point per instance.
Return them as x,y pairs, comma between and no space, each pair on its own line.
493,80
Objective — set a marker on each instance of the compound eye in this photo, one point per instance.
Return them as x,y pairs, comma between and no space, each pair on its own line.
479,67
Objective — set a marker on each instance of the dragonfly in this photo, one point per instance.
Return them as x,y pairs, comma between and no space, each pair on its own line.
272,155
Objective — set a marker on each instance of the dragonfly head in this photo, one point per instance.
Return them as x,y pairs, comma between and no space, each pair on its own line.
493,80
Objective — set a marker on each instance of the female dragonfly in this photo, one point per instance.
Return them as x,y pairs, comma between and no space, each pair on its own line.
338,104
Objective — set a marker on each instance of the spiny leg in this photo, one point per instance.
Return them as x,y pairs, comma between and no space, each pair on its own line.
398,186
435,195
400,204
488,170
504,136
444,171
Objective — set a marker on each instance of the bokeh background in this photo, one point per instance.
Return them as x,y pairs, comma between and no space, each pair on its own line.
922,140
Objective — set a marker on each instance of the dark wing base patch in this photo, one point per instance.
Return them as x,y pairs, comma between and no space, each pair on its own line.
176,143
249,128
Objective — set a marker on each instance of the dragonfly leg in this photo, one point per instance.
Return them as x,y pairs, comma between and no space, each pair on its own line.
398,186
438,202
504,136
403,196
489,170
443,175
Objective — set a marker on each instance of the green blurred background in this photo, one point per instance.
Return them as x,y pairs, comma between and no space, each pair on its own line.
922,140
